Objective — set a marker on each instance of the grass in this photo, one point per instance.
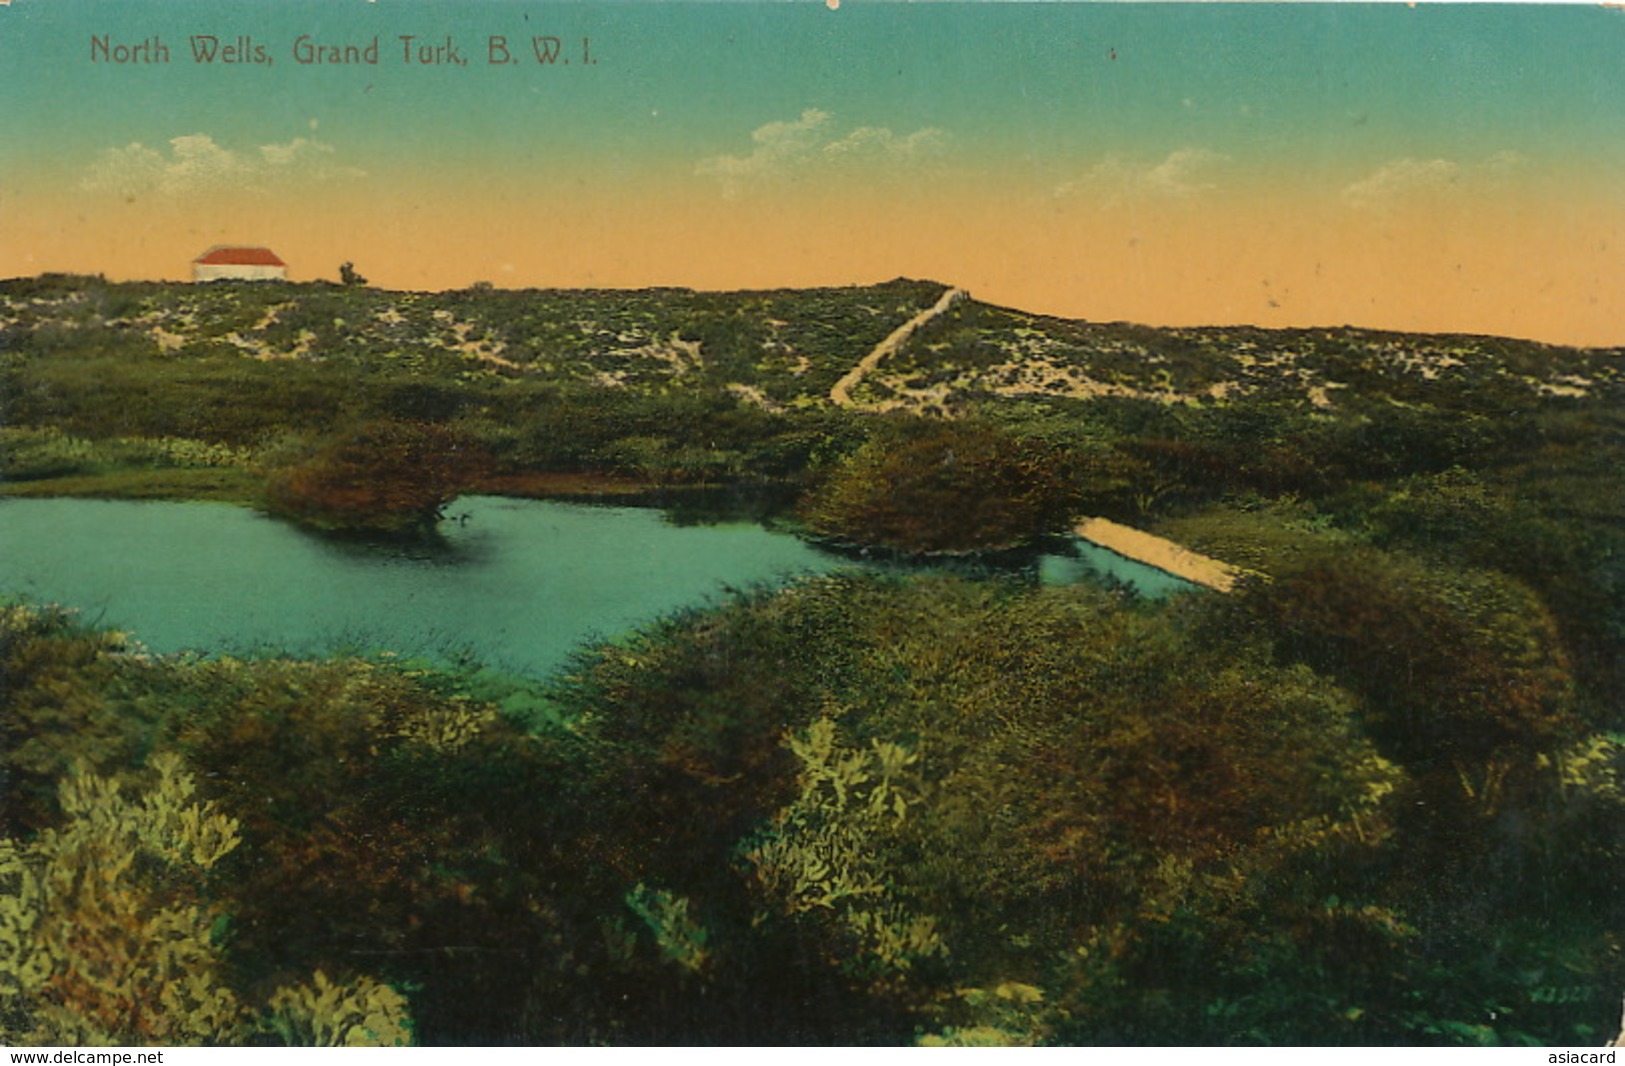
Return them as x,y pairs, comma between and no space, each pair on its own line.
213,484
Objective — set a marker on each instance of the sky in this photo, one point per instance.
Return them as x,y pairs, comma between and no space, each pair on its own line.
1442,168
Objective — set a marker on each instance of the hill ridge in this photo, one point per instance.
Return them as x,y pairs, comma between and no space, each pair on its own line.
939,353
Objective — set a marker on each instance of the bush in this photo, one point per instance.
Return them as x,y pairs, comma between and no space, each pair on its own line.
1458,666
384,477
110,931
931,488
830,771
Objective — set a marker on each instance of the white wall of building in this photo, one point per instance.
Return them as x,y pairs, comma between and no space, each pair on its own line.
236,271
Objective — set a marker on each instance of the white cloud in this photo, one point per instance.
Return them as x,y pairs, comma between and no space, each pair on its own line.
779,145
879,143
1400,179
300,151
1181,175
195,163
811,145
1408,179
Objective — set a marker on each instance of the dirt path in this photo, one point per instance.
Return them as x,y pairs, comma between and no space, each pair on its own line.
841,394
1163,554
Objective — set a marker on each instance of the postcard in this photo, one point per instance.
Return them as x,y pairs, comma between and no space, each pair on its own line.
811,522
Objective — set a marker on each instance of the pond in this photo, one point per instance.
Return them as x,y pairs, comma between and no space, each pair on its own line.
518,584
1091,562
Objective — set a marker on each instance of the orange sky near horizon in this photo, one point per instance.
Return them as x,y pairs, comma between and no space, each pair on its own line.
1519,263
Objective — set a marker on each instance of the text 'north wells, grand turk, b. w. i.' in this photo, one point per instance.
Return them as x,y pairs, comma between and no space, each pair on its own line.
306,50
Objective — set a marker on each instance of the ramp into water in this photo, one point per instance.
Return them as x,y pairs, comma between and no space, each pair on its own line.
1163,554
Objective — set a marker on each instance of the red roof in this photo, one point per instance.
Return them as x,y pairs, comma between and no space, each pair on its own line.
227,255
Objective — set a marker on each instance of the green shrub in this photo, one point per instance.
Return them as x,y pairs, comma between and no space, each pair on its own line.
944,487
389,477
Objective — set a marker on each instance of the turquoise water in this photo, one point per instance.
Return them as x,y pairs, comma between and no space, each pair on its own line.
1092,562
519,584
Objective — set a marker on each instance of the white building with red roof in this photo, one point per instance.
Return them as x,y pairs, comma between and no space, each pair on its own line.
239,263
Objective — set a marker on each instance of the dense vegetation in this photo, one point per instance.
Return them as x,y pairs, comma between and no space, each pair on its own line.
857,809
928,488
1373,796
